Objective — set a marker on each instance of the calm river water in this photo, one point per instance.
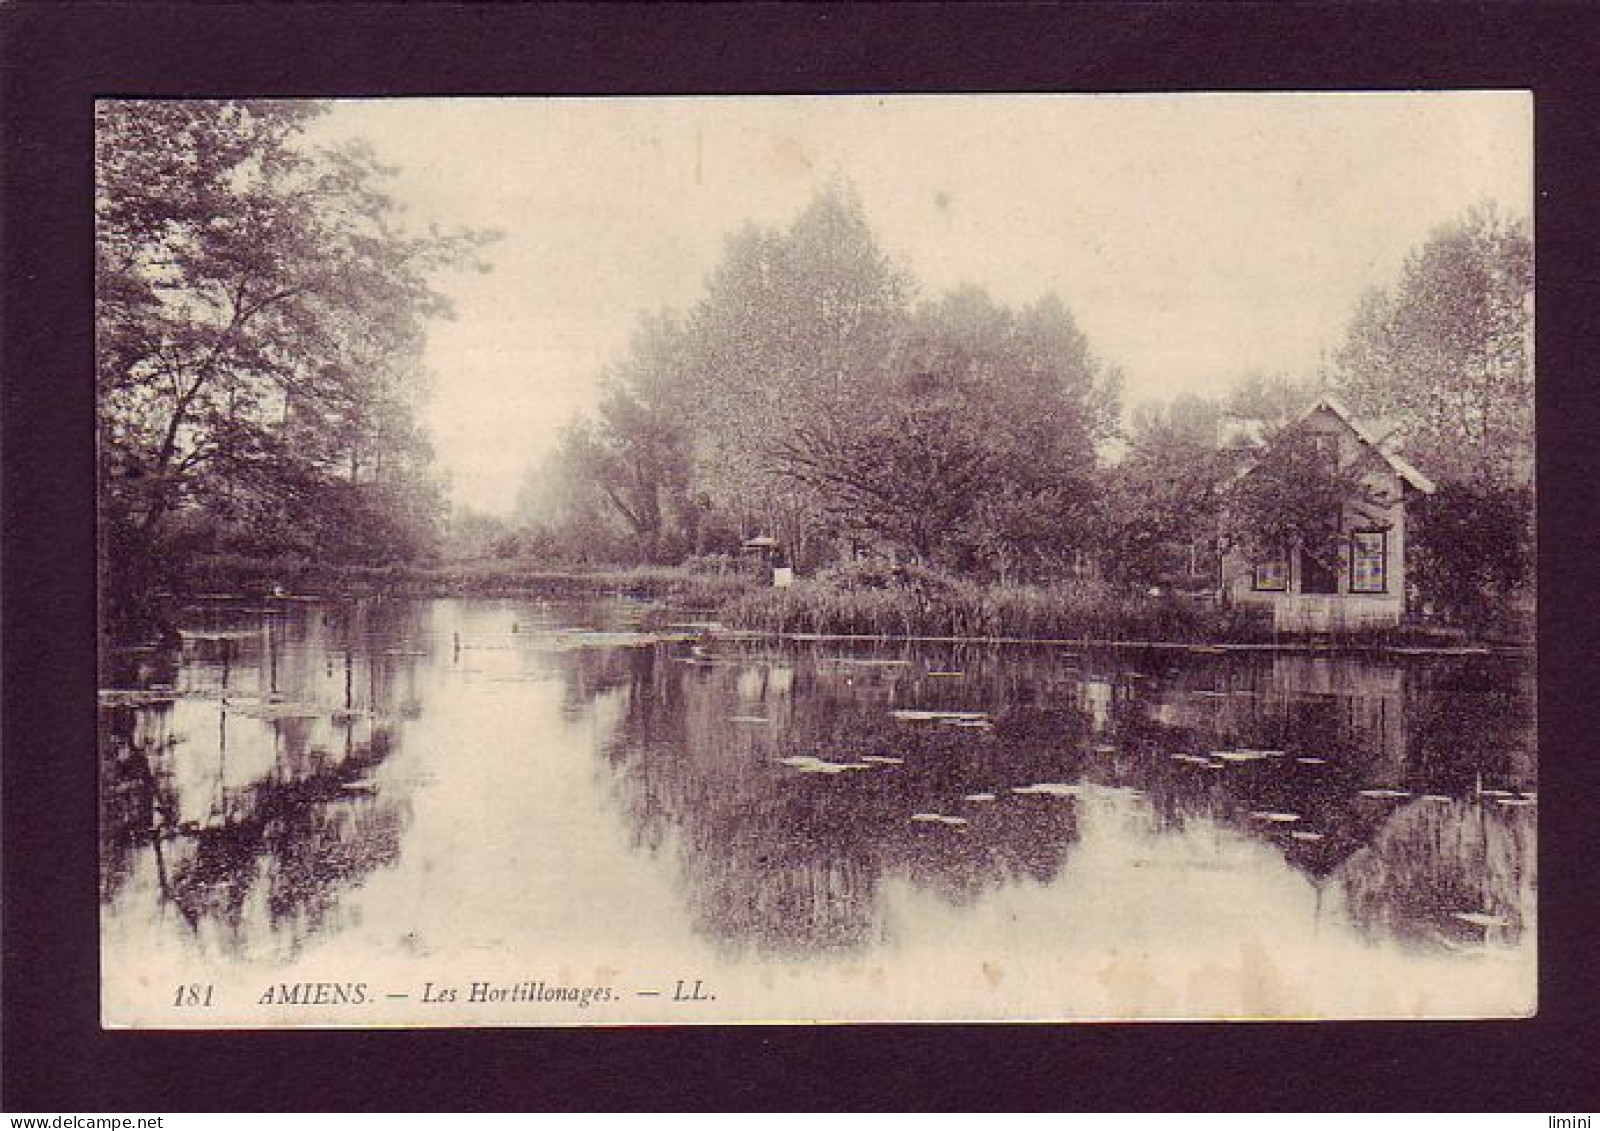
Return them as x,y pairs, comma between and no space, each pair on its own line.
517,812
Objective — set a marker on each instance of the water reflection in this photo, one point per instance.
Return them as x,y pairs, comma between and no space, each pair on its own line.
796,803
242,785
1332,762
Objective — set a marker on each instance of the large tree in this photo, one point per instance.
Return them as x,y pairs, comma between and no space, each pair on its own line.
1162,502
791,346
1293,495
260,317
803,397
1448,352
1448,355
982,456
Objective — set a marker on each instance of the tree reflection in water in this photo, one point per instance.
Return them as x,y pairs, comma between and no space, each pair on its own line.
779,859
294,817
250,786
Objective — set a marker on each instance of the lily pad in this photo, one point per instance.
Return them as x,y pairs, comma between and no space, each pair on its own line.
911,716
1240,755
809,764
1482,919
1049,789
271,712
134,697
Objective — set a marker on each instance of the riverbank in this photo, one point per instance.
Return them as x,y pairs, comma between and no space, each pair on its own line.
941,608
858,602
481,578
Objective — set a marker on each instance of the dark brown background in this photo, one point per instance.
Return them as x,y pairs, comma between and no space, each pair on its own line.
58,57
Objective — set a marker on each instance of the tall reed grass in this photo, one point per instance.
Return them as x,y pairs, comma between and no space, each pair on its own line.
492,578
971,610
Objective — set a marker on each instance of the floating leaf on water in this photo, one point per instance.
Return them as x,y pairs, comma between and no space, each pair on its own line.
911,716
1303,834
273,711
1308,761
978,797
883,759
1386,794
809,764
938,819
1481,919
1240,755
134,697
1049,789
1279,818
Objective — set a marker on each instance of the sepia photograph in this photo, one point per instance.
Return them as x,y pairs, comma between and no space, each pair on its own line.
682,560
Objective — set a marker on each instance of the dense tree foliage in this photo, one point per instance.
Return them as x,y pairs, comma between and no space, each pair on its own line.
1292,496
1448,352
1472,549
804,397
260,318
1448,355
1162,502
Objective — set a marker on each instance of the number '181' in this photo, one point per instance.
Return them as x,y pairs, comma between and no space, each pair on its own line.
192,994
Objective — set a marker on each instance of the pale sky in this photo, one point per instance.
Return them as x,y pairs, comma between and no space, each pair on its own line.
1195,238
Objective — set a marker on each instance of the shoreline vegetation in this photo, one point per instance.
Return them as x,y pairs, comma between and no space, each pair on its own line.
863,602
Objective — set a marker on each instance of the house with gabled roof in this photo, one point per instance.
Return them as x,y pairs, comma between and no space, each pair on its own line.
1362,582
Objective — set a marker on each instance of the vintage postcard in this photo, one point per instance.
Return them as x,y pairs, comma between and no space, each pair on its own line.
699,560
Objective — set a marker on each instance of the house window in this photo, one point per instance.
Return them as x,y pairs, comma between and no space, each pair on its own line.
1369,561
1272,576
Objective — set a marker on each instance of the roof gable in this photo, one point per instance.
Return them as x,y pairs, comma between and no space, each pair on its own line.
1372,439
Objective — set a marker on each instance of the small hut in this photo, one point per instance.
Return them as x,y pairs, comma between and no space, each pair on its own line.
767,559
